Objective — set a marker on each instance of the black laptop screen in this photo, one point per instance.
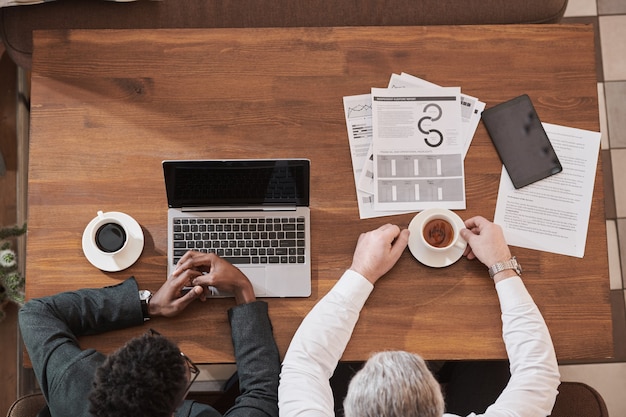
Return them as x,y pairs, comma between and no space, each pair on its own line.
237,182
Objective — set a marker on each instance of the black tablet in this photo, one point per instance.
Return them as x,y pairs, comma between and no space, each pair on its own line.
521,141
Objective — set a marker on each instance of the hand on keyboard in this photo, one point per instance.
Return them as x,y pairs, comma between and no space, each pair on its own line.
216,272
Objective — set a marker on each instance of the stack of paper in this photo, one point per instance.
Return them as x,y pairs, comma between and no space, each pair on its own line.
552,215
408,143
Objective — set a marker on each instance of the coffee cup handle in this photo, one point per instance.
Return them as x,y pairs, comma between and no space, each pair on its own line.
460,243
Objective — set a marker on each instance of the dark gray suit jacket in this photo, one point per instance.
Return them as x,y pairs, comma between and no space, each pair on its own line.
50,327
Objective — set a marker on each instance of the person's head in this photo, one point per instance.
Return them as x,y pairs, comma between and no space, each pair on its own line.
148,376
394,384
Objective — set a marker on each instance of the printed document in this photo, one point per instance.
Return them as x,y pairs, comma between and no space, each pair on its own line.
471,110
358,111
417,149
358,114
471,107
552,215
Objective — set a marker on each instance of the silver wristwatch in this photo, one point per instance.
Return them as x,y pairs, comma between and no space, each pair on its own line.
502,266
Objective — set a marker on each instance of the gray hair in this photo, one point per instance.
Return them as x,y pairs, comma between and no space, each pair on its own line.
394,384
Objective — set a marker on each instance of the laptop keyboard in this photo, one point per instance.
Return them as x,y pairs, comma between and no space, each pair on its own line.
255,240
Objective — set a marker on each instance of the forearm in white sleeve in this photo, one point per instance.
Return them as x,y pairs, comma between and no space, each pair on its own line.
317,346
532,389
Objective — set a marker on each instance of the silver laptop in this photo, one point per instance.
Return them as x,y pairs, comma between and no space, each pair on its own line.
253,213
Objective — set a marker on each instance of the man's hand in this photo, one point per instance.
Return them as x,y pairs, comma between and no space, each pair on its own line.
216,272
168,302
486,242
378,251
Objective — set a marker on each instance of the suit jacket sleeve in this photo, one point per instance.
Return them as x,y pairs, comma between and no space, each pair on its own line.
51,325
258,361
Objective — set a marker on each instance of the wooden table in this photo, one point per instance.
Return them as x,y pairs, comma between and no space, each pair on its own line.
109,106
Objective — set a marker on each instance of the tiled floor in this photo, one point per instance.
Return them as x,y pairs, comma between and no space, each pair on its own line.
609,16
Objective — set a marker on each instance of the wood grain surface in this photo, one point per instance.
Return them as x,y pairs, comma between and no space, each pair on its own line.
108,106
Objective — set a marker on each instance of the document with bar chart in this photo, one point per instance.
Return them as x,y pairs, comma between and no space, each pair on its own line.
418,148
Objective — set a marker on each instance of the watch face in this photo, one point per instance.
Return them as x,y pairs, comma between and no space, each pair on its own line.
144,295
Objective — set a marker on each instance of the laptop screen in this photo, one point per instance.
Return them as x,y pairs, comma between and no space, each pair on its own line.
237,182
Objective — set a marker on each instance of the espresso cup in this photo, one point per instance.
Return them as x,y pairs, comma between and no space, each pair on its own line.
109,235
439,232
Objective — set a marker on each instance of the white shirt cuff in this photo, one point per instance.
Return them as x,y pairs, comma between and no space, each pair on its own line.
354,288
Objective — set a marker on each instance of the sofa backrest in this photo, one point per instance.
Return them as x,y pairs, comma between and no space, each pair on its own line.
18,22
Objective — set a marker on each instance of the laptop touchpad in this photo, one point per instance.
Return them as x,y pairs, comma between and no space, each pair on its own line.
257,278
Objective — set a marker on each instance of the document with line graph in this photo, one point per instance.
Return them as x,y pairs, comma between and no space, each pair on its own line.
417,149
358,112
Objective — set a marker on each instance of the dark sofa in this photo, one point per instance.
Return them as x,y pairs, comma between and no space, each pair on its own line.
18,22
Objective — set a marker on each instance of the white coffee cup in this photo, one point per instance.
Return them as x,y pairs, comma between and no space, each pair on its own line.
109,235
440,232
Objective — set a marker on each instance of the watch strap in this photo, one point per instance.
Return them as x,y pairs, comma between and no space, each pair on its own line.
503,266
144,298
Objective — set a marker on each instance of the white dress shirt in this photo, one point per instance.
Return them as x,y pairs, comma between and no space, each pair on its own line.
319,342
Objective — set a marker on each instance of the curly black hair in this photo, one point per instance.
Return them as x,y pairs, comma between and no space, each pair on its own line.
146,377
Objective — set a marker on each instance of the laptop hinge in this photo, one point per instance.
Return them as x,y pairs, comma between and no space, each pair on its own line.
235,209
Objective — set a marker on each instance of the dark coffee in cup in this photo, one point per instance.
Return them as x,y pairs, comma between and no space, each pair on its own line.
438,233
110,237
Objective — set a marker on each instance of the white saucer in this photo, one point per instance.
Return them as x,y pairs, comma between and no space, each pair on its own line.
126,256
429,257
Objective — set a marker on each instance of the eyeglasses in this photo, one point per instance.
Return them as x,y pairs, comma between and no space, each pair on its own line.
193,369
